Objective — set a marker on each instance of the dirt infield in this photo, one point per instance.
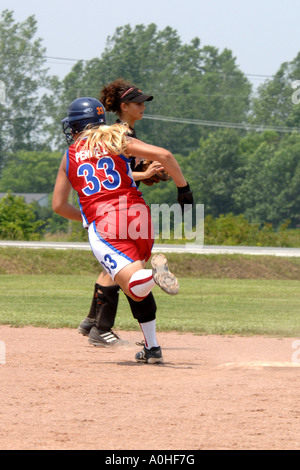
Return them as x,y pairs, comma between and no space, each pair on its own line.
213,392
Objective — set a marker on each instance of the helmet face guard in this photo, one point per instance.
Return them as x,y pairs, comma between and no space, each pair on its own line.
83,112
67,131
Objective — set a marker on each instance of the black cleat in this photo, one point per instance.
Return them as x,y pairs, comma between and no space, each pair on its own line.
105,339
150,356
85,326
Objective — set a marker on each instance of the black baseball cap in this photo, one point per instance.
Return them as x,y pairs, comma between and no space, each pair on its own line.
134,95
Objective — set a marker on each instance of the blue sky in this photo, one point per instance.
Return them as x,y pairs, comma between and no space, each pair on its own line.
261,33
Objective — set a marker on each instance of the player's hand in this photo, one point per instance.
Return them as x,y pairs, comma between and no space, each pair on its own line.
152,169
185,198
157,172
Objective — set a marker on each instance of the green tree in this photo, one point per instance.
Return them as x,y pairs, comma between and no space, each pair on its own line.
17,220
57,104
187,81
30,172
216,171
270,190
22,70
273,103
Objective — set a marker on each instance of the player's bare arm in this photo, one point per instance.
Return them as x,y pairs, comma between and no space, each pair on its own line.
61,193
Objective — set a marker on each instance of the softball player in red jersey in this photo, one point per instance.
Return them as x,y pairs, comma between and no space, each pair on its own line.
109,200
97,167
128,103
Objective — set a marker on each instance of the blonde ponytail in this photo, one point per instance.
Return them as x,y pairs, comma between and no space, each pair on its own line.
106,139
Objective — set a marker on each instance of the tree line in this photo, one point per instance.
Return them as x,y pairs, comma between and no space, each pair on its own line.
238,146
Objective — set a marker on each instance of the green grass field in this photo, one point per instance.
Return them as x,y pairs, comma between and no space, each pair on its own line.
203,306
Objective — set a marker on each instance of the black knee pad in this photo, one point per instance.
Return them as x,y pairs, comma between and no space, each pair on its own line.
93,307
145,310
107,304
108,295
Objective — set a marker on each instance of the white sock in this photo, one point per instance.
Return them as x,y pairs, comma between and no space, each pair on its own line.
149,331
141,283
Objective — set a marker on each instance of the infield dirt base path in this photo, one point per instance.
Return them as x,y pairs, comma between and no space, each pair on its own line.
212,392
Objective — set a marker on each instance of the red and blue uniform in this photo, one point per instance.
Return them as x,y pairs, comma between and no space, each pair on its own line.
111,203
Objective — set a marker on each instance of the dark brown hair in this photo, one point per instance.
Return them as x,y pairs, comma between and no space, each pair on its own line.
110,95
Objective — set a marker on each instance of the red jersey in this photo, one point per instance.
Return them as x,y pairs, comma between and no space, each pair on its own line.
101,180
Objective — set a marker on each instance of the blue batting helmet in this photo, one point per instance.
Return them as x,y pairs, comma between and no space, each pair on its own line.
83,112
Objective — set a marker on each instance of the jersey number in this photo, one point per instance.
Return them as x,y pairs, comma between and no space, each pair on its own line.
109,263
93,184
